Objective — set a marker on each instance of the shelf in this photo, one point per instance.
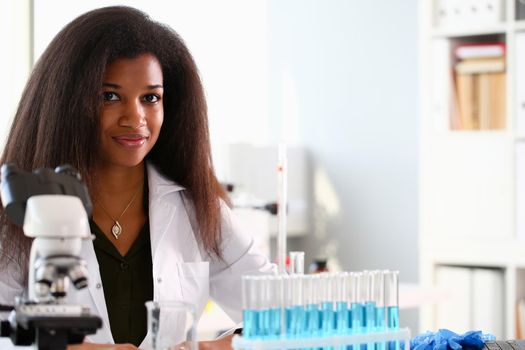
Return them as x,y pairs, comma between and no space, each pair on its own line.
463,32
485,133
471,204
519,25
493,252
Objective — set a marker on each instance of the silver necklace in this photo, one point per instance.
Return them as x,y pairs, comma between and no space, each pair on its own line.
116,229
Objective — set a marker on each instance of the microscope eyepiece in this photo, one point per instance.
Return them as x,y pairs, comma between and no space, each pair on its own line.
69,170
17,186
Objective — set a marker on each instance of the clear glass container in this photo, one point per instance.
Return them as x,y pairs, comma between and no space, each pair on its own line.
171,325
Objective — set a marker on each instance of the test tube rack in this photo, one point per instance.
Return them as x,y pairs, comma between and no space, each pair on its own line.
402,334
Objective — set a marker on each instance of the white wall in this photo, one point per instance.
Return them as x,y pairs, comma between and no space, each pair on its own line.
351,67
15,58
343,77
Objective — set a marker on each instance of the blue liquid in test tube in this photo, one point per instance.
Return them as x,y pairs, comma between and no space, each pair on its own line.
249,324
287,305
275,322
341,319
295,317
370,316
393,317
327,312
358,316
326,299
380,318
264,317
392,304
251,306
381,325
374,297
357,299
327,318
312,320
269,316
356,302
379,299
266,323
393,324
273,303
311,314
297,321
370,322
341,303
288,319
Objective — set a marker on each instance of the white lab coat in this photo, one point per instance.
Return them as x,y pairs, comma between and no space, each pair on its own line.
182,271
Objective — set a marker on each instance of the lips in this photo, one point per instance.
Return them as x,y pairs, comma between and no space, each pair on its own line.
131,140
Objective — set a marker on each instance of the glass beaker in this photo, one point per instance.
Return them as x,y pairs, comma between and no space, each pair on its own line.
171,325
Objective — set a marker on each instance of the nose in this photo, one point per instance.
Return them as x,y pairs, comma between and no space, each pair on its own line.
134,115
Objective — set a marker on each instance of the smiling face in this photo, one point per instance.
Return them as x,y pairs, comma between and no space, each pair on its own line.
132,112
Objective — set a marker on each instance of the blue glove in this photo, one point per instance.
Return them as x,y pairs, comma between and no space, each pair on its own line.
445,339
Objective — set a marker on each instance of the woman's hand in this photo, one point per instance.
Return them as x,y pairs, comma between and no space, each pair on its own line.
93,346
219,344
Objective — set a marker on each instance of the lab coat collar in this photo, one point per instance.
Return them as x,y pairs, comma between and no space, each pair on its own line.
159,185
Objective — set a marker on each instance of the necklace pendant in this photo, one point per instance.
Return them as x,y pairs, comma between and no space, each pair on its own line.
116,229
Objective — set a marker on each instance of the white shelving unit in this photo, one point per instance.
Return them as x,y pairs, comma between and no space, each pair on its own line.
469,201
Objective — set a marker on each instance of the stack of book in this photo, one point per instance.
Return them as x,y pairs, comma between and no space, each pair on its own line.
480,77
520,319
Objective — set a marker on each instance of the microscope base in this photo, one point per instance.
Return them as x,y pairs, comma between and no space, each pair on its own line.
49,330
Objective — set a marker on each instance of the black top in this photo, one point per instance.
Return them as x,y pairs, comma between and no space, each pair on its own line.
127,281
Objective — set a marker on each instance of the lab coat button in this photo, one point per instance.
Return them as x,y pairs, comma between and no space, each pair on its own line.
159,280
99,285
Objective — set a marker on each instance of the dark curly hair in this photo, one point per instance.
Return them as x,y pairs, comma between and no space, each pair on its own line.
57,120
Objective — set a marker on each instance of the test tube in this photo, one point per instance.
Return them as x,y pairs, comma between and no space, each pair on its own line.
356,302
370,303
297,263
262,283
311,301
297,311
379,298
341,302
274,294
250,305
392,304
287,304
327,303
391,298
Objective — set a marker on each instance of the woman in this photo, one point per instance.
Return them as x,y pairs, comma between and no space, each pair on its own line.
118,96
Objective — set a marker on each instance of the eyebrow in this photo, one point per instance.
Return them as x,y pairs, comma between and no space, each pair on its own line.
149,87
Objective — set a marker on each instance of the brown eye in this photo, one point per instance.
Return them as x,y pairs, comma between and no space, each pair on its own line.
110,96
152,98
